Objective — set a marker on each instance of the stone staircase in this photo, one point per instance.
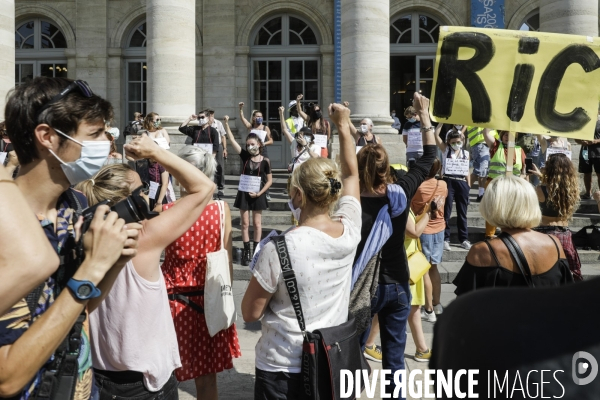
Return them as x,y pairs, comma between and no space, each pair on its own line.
278,217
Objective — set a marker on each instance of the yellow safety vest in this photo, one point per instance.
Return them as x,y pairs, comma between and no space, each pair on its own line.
475,135
498,163
291,125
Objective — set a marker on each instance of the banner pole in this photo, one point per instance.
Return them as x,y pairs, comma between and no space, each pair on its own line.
510,156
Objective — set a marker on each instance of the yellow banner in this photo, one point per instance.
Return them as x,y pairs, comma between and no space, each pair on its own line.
531,82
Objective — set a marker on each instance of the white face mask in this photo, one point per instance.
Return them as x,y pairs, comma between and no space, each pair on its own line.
254,150
93,156
393,115
364,128
202,121
456,146
295,211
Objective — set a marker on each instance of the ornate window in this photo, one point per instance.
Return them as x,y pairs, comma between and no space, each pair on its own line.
414,28
39,34
138,37
284,30
136,72
39,50
532,22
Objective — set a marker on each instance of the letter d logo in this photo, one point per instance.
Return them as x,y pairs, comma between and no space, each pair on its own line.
580,368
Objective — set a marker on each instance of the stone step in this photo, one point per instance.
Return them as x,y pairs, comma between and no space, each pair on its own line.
458,254
448,271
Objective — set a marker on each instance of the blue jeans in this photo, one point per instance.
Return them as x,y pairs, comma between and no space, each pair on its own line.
392,304
480,156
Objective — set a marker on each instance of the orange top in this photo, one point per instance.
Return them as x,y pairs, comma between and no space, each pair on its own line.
422,196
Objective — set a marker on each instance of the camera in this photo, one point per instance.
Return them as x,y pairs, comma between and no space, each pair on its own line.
134,208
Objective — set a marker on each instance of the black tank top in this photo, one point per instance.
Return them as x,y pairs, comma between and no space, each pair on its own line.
363,142
547,210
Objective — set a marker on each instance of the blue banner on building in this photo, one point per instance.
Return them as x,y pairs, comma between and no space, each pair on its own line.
487,14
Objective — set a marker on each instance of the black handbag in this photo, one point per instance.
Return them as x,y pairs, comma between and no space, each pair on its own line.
584,240
326,351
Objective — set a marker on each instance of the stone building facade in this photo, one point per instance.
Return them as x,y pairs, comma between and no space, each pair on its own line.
175,57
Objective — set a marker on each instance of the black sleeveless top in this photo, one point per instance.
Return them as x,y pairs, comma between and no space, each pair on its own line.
362,141
547,210
471,278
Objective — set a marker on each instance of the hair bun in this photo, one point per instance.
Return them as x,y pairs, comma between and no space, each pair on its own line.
335,186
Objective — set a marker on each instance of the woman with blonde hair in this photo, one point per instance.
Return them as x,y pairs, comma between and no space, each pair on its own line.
511,204
558,196
321,250
184,270
136,353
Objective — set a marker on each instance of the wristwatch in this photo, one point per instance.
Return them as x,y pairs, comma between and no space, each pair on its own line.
83,290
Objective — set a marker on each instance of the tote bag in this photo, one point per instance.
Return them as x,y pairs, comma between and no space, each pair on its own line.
219,308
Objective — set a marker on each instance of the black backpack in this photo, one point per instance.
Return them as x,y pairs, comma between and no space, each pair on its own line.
587,240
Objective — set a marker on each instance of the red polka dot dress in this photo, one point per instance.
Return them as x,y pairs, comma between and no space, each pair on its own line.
184,270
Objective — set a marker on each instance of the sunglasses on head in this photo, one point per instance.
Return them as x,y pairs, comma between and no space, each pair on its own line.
81,86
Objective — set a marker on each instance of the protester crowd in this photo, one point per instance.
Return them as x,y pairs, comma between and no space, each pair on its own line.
93,314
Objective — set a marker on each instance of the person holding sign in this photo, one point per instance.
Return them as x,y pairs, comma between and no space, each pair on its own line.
152,123
257,124
558,196
411,134
302,144
203,135
318,125
255,180
455,171
498,154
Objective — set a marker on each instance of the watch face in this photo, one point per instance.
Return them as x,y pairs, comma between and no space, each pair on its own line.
84,290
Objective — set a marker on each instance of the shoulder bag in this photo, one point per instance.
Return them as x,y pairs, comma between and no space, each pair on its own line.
517,254
326,351
417,264
219,308
292,164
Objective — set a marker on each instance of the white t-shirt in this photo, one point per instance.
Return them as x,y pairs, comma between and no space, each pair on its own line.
218,125
323,268
305,156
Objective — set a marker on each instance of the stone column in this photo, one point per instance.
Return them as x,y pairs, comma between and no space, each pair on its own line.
366,61
575,17
7,50
171,55
91,45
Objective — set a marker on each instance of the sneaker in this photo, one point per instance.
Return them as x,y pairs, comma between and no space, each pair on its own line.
478,200
586,196
447,246
438,309
423,356
428,316
466,245
373,353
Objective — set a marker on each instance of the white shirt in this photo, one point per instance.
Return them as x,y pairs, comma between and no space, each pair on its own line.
323,268
218,125
305,156
132,329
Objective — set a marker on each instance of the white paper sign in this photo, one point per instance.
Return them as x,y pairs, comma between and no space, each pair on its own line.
153,190
207,147
171,193
555,150
321,141
250,184
2,157
261,134
162,142
358,148
415,141
456,166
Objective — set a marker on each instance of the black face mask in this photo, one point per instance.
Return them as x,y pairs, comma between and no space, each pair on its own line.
294,112
318,114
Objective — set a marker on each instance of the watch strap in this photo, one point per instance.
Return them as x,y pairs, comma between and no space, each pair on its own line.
74,285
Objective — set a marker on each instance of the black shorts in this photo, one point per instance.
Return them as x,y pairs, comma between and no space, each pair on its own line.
585,167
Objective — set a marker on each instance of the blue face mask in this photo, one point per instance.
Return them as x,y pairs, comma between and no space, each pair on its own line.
412,120
93,156
259,121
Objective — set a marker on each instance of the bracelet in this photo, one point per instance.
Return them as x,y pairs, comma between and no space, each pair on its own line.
8,181
431,128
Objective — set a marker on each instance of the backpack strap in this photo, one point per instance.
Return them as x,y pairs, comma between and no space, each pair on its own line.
289,277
